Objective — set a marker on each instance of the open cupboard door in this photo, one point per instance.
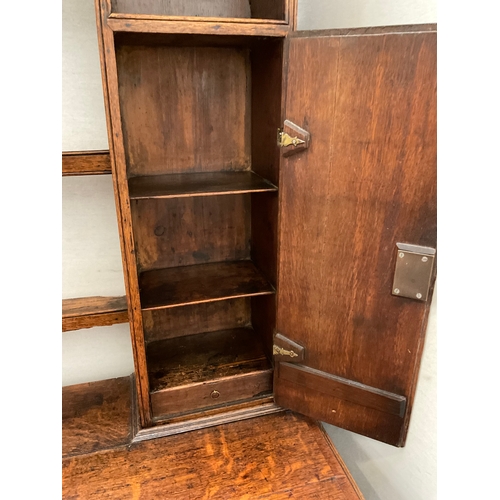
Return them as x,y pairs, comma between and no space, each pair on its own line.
357,225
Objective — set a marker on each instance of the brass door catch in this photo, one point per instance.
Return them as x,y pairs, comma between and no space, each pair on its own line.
287,350
285,140
414,272
283,352
292,138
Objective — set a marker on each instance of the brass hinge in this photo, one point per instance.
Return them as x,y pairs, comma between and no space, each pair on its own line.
285,349
285,140
283,352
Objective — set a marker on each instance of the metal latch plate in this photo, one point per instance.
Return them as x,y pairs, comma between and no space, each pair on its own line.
293,139
285,349
285,140
414,268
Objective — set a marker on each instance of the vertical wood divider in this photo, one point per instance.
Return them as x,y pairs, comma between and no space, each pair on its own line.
122,201
292,10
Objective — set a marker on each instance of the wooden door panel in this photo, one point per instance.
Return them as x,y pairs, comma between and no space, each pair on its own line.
366,182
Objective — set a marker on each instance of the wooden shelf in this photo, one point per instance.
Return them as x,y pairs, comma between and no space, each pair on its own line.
87,312
198,372
204,357
85,163
197,184
195,19
96,416
136,23
178,286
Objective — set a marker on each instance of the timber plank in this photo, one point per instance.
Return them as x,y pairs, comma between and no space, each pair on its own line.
162,288
85,162
154,25
96,416
275,456
87,312
197,184
203,357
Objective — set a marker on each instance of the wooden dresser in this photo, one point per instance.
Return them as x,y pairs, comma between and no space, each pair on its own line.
276,200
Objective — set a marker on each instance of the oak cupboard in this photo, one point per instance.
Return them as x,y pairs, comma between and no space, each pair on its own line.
276,200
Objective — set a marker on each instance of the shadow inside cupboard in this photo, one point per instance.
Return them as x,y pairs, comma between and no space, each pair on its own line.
200,115
242,9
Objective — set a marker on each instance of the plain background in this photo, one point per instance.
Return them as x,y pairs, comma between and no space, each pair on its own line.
31,251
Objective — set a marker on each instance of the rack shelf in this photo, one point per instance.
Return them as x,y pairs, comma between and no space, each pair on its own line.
197,184
196,19
209,369
204,357
87,312
202,26
85,162
178,286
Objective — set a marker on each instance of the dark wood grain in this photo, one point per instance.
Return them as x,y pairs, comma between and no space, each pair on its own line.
85,163
203,8
267,65
202,126
252,385
368,31
197,19
343,389
169,425
178,286
190,10
174,322
188,231
265,9
320,405
195,40
120,187
87,312
263,316
96,416
266,61
203,26
204,357
201,184
367,181
182,104
275,456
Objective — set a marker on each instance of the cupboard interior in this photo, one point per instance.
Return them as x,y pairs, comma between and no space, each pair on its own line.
200,116
244,9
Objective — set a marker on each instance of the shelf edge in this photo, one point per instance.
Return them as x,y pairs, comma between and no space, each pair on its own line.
139,25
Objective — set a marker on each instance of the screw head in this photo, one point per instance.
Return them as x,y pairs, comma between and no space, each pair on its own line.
401,254
159,230
396,291
419,295
424,259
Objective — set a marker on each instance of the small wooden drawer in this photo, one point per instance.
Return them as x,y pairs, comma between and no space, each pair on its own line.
204,395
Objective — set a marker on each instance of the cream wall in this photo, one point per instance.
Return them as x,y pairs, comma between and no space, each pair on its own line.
91,248
91,251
